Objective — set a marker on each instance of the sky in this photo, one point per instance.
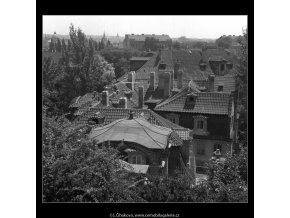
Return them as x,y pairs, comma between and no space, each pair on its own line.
175,26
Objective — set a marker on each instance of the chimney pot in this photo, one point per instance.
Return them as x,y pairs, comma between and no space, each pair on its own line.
123,102
211,83
105,98
164,83
131,80
179,79
141,96
152,80
202,66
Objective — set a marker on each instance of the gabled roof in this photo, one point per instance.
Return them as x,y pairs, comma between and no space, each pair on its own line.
205,103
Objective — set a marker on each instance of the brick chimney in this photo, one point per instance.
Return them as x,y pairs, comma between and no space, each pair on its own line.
140,96
179,79
131,80
164,83
152,80
105,98
123,102
211,83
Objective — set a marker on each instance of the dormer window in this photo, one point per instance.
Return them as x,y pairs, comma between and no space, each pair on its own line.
220,88
191,98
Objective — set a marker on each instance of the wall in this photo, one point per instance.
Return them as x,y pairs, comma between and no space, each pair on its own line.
208,146
218,126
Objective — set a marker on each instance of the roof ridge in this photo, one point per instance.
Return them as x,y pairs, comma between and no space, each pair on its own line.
172,98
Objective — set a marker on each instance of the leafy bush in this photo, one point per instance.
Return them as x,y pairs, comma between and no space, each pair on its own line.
75,170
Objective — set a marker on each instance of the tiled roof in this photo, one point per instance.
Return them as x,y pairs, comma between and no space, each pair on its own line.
84,100
228,82
143,37
205,103
112,114
140,58
219,52
144,71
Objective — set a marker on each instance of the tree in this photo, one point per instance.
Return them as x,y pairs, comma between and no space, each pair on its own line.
58,45
108,43
227,180
176,45
224,41
96,45
242,82
75,170
52,46
63,45
79,72
119,58
69,45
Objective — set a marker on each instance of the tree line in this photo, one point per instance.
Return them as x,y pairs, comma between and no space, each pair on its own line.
60,45
79,70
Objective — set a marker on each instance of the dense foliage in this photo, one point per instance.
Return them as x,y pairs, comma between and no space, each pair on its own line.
79,71
243,86
119,58
74,170
226,182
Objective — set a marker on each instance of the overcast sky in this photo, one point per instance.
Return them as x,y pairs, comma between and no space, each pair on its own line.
174,26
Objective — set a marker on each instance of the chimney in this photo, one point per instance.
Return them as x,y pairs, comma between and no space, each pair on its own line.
105,98
152,80
229,65
123,102
131,80
164,83
140,96
202,66
179,79
211,83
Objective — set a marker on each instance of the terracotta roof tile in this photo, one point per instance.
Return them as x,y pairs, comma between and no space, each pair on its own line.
206,103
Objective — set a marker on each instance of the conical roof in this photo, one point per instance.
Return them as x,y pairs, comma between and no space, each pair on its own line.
137,130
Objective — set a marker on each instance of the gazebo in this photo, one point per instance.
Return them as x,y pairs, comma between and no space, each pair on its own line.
141,142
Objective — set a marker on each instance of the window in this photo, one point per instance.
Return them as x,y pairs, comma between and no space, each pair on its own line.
172,119
217,146
220,88
136,159
222,67
200,124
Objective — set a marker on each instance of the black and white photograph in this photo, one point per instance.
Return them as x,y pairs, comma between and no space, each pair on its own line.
136,109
